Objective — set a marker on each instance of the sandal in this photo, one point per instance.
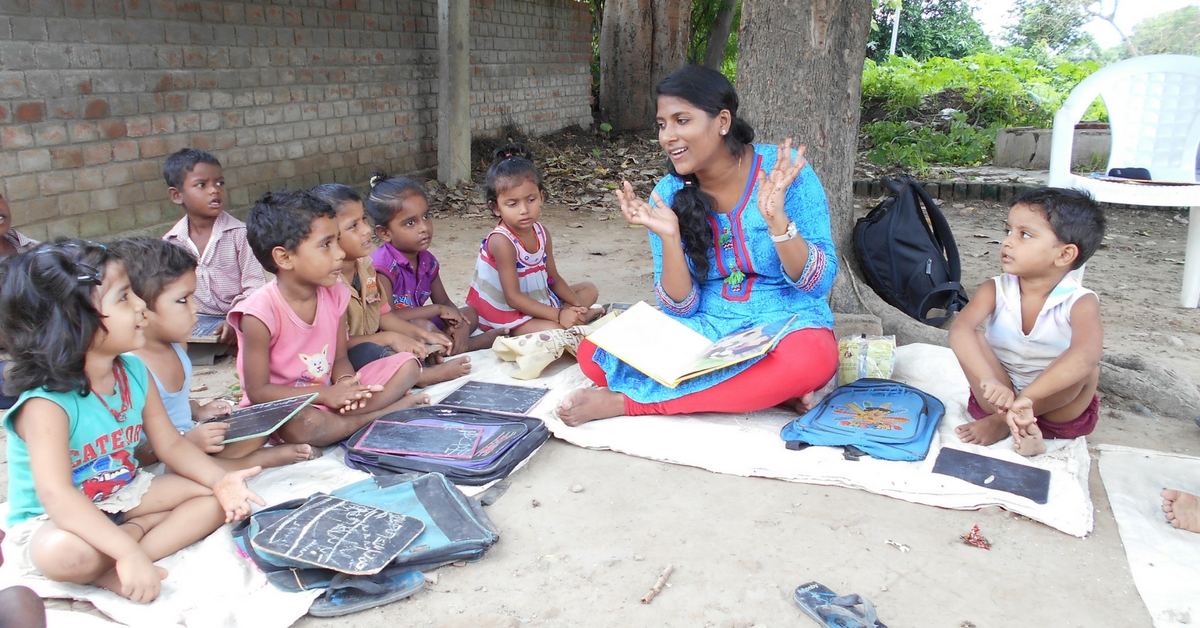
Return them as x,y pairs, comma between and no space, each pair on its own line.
830,609
351,594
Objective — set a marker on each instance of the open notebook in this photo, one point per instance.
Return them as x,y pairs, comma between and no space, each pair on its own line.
669,352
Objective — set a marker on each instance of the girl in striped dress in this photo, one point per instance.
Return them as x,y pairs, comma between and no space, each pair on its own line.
516,285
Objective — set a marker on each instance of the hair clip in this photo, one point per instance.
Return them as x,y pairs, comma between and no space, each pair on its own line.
88,275
688,183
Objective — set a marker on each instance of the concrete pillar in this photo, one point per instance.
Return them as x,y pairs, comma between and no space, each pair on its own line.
454,91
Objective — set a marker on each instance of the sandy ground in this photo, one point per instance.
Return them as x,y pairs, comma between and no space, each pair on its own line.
741,546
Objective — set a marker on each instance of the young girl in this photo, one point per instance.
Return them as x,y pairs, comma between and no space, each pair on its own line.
164,277
80,510
292,331
408,271
516,285
375,330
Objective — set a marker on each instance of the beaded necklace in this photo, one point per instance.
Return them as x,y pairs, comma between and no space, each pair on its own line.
122,385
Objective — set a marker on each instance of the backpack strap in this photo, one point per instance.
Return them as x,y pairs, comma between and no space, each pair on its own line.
941,229
942,288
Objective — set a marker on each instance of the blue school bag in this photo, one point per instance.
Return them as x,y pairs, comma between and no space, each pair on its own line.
880,417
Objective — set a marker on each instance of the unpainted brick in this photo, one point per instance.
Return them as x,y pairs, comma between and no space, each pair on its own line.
34,160
65,228
93,224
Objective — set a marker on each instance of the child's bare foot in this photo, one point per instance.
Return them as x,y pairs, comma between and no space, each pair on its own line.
486,339
444,372
589,404
1032,443
986,431
801,404
109,580
410,400
1183,510
281,455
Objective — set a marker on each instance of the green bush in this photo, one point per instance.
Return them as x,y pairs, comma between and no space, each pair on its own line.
905,101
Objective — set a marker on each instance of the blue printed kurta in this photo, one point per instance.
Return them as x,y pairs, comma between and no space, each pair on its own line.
717,308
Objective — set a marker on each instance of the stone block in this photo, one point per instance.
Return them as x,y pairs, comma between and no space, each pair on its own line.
15,137
67,228
21,187
94,223
34,160
89,179
58,182
71,204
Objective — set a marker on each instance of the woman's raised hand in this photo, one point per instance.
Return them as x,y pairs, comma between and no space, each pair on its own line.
655,215
772,188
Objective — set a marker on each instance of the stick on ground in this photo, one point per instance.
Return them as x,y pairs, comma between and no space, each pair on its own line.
658,586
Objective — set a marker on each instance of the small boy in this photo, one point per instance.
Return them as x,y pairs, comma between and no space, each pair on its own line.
1033,371
293,332
164,276
227,270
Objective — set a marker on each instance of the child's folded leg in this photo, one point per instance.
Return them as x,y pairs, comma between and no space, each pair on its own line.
253,453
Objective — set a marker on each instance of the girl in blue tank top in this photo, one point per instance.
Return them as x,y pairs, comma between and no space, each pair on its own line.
80,509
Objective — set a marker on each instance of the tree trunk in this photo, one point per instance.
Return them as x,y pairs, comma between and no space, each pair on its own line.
799,75
641,42
714,51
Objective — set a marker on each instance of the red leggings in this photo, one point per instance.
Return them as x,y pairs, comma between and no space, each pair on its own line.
802,362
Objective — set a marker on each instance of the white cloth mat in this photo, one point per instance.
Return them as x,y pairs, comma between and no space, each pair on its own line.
749,445
1165,562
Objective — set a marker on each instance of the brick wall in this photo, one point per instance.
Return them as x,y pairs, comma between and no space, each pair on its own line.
530,65
95,93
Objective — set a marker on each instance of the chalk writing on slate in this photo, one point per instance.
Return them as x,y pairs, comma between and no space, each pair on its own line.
1001,475
406,439
261,419
337,534
501,398
207,326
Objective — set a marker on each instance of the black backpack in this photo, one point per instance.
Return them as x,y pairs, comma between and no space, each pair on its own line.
910,265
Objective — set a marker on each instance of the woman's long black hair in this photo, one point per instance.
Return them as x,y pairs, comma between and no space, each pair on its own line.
709,91
48,314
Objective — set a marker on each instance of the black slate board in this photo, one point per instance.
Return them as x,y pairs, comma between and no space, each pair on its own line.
206,329
405,439
261,419
337,534
1019,479
501,398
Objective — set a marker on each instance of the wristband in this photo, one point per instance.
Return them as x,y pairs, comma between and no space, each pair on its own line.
339,380
786,235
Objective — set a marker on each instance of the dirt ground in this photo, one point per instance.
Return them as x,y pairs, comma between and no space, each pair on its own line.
740,546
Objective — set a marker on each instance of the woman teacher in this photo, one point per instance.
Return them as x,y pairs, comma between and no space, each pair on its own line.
740,237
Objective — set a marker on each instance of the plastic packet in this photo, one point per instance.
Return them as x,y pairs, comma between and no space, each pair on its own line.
865,356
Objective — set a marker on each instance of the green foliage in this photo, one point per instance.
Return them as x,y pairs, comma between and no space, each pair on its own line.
1174,32
928,28
947,111
1052,24
917,146
704,17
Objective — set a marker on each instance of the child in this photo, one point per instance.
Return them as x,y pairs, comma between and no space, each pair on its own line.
164,276
11,240
516,285
408,271
80,510
1034,370
375,331
292,332
227,271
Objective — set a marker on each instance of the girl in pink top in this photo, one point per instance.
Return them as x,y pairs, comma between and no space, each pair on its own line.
292,331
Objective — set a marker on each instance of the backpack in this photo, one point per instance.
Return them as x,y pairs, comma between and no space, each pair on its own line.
455,529
910,265
885,419
505,442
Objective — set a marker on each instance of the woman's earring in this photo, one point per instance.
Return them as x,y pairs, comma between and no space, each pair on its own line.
723,131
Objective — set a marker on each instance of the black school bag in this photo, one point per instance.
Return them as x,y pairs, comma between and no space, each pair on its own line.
910,265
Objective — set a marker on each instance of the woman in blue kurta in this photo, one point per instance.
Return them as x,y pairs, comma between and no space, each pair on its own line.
740,237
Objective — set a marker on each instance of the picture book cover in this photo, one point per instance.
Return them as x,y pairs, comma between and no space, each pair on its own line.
669,352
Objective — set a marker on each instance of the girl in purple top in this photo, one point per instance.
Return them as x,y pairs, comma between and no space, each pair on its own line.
409,272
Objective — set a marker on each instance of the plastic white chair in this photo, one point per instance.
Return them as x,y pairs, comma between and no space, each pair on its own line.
1153,107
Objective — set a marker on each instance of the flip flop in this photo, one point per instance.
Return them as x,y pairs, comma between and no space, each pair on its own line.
351,594
830,609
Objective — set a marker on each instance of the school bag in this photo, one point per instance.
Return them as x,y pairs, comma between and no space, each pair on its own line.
908,255
456,529
504,442
885,419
